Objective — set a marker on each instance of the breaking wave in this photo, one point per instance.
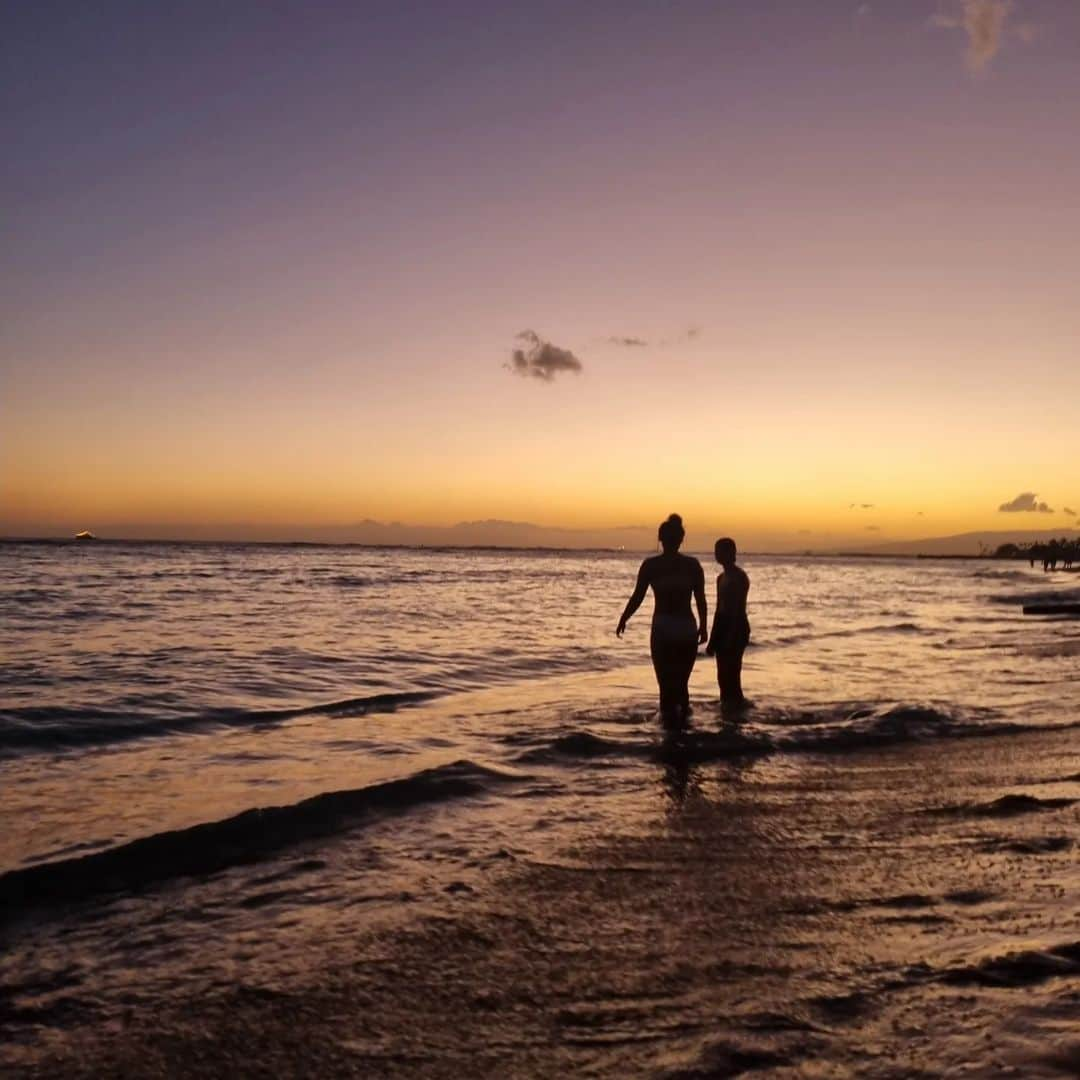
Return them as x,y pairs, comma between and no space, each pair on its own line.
246,838
807,732
37,727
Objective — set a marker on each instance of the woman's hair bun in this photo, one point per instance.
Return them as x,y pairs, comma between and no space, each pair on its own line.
671,531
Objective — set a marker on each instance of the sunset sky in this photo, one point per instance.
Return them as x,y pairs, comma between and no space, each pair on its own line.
268,263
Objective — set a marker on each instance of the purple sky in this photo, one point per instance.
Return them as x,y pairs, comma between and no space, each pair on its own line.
269,263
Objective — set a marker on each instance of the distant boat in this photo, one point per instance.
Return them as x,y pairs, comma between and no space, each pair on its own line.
85,535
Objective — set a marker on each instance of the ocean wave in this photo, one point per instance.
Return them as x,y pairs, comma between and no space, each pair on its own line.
349,581
867,729
848,632
31,596
1064,595
1002,576
781,732
1007,806
44,727
1018,969
1031,845
247,838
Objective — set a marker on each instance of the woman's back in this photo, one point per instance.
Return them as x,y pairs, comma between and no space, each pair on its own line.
673,578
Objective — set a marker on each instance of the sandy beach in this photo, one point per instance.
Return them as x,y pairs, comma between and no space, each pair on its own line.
899,913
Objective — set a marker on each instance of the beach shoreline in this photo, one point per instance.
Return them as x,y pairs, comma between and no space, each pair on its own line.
909,911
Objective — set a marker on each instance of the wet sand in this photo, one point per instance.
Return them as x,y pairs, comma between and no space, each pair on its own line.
904,912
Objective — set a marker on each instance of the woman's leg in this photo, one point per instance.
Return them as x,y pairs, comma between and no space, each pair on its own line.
685,666
670,664
661,666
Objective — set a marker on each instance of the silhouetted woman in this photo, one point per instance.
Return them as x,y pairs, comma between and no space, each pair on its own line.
731,628
675,637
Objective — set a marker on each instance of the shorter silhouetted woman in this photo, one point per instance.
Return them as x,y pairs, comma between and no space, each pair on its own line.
675,636
731,628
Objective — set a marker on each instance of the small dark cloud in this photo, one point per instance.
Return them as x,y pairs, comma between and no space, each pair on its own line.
918,513
860,506
1068,510
1025,503
627,342
872,528
540,359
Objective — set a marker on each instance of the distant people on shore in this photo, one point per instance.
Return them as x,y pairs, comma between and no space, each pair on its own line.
731,627
1065,551
675,636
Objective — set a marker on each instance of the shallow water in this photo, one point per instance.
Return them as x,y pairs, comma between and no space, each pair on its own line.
152,687
420,726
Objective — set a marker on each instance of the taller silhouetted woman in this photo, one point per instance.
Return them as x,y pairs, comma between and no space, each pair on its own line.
675,638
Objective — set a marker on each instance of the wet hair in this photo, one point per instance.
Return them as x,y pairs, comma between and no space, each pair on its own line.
725,546
671,532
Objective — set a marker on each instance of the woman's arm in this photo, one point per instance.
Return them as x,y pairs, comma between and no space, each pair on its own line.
702,605
636,597
714,637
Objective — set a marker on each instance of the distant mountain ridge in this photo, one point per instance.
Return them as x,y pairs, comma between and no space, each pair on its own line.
969,543
488,532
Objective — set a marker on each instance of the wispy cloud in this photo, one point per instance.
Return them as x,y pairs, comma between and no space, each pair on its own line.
983,21
632,341
691,333
872,528
1068,510
860,506
540,359
1025,503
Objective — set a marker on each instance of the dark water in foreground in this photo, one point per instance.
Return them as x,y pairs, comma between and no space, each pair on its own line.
229,767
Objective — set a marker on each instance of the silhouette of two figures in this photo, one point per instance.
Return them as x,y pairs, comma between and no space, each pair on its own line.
675,635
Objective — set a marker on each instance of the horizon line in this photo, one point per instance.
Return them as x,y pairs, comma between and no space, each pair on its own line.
71,541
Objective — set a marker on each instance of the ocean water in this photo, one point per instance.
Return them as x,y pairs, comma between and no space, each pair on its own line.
234,745
146,688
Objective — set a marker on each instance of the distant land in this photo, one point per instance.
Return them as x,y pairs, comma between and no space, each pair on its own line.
969,543
490,532
493,532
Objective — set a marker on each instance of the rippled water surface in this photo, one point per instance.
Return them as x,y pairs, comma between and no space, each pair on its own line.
232,746
310,650
105,641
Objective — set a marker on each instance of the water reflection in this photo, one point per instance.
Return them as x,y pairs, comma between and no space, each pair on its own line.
681,777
